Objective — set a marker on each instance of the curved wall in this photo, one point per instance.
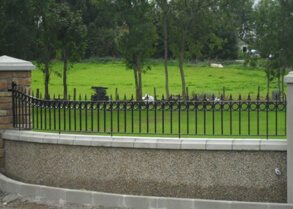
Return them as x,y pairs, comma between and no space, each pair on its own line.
221,169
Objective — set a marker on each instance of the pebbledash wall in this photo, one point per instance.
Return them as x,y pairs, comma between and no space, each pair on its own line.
221,169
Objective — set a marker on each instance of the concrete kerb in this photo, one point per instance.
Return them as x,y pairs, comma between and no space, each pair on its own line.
148,142
56,195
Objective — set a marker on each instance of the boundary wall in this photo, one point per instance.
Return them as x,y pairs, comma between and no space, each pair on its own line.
220,169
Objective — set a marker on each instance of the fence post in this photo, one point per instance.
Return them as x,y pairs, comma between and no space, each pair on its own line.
289,80
11,70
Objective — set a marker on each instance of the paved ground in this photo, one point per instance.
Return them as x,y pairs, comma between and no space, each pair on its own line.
8,201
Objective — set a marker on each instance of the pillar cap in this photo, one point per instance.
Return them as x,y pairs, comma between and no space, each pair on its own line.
13,64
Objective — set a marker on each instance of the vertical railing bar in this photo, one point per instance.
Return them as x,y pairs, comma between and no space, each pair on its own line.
17,106
267,119
258,107
105,116
59,114
85,112
276,108
231,117
132,119
147,118
37,112
74,112
179,119
98,114
54,105
69,114
80,114
92,116
213,113
155,112
45,102
222,117
118,117
139,116
171,117
187,117
125,109
29,111
248,110
239,117
26,101
204,117
163,119
33,111
111,114
50,116
64,114
196,116
41,111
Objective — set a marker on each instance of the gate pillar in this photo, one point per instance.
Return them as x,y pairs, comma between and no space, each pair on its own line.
11,70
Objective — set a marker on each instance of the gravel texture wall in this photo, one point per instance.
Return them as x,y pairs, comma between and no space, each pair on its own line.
204,174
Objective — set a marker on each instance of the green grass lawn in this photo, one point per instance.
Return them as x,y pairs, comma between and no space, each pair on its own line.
200,79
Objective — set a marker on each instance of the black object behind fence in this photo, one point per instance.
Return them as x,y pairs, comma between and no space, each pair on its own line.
159,117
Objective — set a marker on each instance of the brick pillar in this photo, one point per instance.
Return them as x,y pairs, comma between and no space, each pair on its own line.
11,70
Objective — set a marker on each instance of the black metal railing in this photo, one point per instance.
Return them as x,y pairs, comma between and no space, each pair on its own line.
193,117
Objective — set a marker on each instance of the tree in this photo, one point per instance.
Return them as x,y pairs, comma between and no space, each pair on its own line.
17,28
101,21
273,24
137,37
71,38
192,27
46,42
239,15
165,11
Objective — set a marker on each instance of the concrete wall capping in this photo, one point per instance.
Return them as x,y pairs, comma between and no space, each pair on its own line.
56,196
148,142
13,64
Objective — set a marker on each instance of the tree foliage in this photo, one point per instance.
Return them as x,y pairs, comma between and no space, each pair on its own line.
273,24
71,38
70,30
137,36
17,28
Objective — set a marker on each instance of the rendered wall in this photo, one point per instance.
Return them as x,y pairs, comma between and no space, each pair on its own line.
207,174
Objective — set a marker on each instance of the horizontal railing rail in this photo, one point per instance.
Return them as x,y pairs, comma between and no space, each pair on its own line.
266,118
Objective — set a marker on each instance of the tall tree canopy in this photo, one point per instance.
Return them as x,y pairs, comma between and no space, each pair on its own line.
272,28
71,36
46,33
192,28
137,36
17,28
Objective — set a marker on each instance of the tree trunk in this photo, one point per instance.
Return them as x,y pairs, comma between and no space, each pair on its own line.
283,88
279,80
268,78
47,78
181,60
64,77
135,81
166,56
139,81
279,72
